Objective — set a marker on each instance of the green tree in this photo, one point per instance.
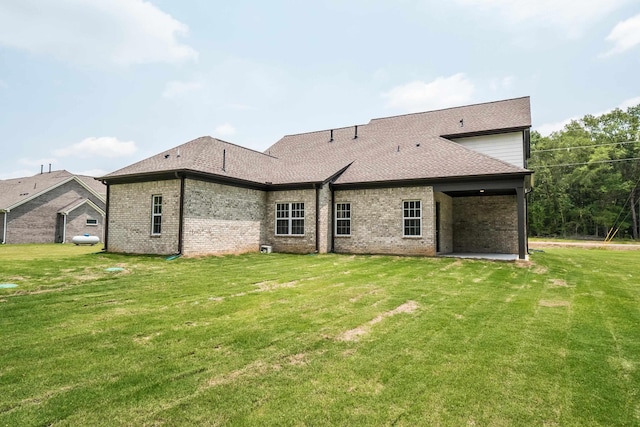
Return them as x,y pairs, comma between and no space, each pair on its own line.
587,176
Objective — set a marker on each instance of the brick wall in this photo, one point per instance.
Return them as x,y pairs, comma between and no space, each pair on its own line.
486,224
377,225
77,223
325,220
130,217
36,221
221,219
293,244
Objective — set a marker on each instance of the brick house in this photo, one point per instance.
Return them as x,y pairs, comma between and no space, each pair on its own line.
51,207
439,182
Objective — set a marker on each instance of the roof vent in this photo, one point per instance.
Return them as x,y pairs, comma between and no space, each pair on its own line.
331,138
356,133
166,156
224,159
461,123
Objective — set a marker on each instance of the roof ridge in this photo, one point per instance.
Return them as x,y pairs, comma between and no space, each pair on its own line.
240,146
324,130
219,140
449,108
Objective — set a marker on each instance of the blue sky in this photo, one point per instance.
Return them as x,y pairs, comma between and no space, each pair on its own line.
91,86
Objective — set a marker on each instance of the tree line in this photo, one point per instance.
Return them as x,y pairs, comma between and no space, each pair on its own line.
587,177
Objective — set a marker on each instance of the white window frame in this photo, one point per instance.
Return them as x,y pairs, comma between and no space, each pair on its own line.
93,223
290,212
409,210
339,216
156,201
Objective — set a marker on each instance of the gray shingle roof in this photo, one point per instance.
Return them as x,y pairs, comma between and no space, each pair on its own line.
206,155
403,147
14,192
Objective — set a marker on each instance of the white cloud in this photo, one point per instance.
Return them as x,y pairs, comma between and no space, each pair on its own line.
625,36
175,89
631,102
570,16
548,128
37,162
225,130
94,32
442,92
92,172
19,173
504,83
30,167
241,107
105,146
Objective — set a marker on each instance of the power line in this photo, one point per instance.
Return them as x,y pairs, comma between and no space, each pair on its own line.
588,163
584,146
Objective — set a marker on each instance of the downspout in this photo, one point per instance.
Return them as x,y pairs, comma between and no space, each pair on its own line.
106,217
317,217
64,228
4,229
181,213
522,231
332,220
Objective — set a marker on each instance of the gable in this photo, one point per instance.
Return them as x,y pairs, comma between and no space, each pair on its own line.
507,147
77,204
18,191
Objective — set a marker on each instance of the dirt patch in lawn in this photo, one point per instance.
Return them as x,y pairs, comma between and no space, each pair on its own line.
298,359
356,333
553,303
256,368
532,266
559,283
271,285
456,263
359,297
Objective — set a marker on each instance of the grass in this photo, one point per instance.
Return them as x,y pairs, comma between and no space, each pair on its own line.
318,340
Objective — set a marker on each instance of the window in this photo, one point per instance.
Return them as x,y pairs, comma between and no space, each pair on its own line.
343,219
289,219
91,221
156,216
412,218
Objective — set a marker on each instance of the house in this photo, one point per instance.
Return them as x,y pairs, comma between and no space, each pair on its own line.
438,182
51,207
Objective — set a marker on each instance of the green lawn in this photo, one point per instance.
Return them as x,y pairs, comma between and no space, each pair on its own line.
318,340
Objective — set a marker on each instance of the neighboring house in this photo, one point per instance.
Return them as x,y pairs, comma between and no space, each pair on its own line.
446,181
51,207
